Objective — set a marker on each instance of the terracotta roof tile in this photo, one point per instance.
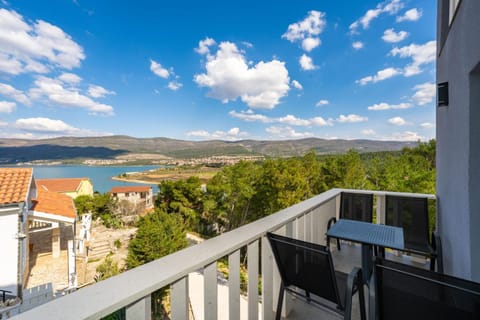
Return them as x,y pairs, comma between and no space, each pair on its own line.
60,185
54,203
130,189
14,184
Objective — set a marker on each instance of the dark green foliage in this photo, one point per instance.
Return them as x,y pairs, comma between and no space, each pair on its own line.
100,206
247,191
183,197
158,235
108,268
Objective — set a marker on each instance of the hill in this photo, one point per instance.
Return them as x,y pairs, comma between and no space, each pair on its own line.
117,147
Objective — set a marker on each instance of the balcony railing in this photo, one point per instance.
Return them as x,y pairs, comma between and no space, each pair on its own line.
132,289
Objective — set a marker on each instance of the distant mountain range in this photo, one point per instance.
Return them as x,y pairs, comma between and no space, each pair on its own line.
115,147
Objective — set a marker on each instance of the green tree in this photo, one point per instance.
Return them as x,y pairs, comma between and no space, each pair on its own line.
232,190
158,235
101,206
184,197
108,268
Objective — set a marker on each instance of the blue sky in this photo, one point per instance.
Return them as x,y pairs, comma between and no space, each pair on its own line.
230,70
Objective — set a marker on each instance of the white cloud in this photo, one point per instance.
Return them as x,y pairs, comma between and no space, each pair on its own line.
427,125
425,93
286,133
307,30
393,6
51,126
322,102
397,121
231,135
157,69
386,106
250,116
70,78
229,77
380,76
390,7
289,119
10,92
420,54
55,92
10,65
368,132
351,118
7,106
319,121
293,121
98,91
3,123
307,63
391,36
203,46
308,44
297,85
357,45
35,46
410,15
406,136
174,85
43,125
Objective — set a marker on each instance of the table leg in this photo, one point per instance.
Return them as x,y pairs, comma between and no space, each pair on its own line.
367,253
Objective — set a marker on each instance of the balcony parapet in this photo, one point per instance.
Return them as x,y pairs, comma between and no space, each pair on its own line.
306,220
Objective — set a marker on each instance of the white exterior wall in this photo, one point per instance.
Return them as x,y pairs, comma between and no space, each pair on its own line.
9,249
458,137
136,198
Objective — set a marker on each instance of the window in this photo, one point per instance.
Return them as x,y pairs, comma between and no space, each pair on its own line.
453,9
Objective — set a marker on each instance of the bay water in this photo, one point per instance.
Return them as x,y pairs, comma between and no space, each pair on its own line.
100,176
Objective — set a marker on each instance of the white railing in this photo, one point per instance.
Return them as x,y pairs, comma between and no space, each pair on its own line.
132,289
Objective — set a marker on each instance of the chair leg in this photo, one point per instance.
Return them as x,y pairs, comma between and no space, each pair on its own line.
278,315
338,245
307,294
432,263
361,299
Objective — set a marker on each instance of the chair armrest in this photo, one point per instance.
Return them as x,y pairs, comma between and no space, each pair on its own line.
330,222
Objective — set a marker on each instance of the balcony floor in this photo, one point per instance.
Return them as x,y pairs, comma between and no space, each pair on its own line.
344,260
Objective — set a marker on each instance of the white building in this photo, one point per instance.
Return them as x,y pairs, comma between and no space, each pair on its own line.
22,207
139,196
458,135
17,190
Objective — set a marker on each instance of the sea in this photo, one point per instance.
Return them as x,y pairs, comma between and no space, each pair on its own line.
100,176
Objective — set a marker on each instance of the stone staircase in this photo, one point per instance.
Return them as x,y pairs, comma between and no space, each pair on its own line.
102,241
99,249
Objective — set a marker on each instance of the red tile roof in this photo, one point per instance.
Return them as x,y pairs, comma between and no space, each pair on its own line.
130,189
14,184
54,203
60,185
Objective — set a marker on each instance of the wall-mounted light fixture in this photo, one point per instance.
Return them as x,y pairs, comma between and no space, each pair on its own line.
442,94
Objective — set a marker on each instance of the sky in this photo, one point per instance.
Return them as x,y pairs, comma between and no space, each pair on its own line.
229,70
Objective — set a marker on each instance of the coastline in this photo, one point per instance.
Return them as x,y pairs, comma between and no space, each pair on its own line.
133,180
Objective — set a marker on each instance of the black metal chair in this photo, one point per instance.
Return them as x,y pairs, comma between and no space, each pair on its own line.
399,291
353,206
309,267
412,215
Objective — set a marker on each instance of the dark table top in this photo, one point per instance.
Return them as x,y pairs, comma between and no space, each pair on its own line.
368,233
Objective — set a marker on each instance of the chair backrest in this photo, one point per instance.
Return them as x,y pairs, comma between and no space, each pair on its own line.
305,265
406,292
412,215
356,206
